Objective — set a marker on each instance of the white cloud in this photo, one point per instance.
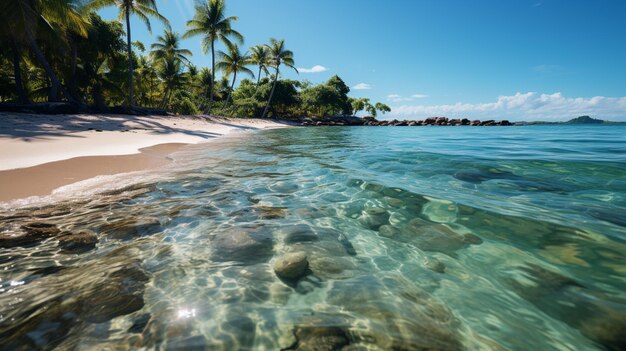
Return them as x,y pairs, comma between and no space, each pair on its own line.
524,107
314,69
362,86
400,98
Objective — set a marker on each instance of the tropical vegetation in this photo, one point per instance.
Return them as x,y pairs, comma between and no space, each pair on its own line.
62,50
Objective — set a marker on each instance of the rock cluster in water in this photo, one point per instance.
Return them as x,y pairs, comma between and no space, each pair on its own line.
252,267
370,121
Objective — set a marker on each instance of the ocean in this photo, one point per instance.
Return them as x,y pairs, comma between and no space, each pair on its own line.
413,238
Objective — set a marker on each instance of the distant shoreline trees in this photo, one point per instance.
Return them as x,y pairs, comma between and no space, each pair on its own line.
57,50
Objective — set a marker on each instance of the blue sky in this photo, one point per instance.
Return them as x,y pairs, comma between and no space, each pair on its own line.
502,59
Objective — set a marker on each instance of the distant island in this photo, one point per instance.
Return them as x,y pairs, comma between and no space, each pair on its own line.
577,120
584,120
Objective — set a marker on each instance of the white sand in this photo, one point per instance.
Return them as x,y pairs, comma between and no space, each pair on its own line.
41,153
27,140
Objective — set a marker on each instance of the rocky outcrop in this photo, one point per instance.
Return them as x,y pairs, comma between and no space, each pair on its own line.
334,121
371,121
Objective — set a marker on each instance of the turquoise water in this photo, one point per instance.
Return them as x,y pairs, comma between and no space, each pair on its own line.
423,238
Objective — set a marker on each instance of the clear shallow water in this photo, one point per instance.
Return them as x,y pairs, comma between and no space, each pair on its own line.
417,238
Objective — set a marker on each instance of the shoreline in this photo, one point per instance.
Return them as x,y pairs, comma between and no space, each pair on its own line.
41,153
43,179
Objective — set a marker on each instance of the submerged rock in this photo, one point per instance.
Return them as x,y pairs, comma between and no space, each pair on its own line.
440,238
51,211
83,240
298,233
394,202
388,231
597,316
292,265
270,212
416,224
30,234
319,338
435,265
331,267
400,315
472,239
41,229
122,294
74,297
248,245
129,228
374,217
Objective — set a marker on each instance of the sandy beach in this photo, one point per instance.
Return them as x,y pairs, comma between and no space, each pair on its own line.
39,153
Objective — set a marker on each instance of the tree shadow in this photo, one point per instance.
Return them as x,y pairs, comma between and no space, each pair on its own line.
30,127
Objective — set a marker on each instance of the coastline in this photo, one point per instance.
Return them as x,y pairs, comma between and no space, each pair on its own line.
41,153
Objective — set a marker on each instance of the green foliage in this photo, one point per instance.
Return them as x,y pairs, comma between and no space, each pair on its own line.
167,46
144,9
185,106
63,49
382,107
359,104
211,23
321,100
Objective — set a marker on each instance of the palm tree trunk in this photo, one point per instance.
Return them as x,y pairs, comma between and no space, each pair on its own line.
97,96
130,58
73,83
55,84
258,80
21,94
212,76
153,87
169,97
232,86
269,101
164,101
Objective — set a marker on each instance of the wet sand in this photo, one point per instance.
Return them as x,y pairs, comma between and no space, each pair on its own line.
39,153
43,179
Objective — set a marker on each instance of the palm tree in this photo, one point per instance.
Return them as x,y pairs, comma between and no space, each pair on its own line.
260,57
140,8
211,23
20,20
173,76
382,108
205,83
278,55
233,62
146,80
168,46
358,104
